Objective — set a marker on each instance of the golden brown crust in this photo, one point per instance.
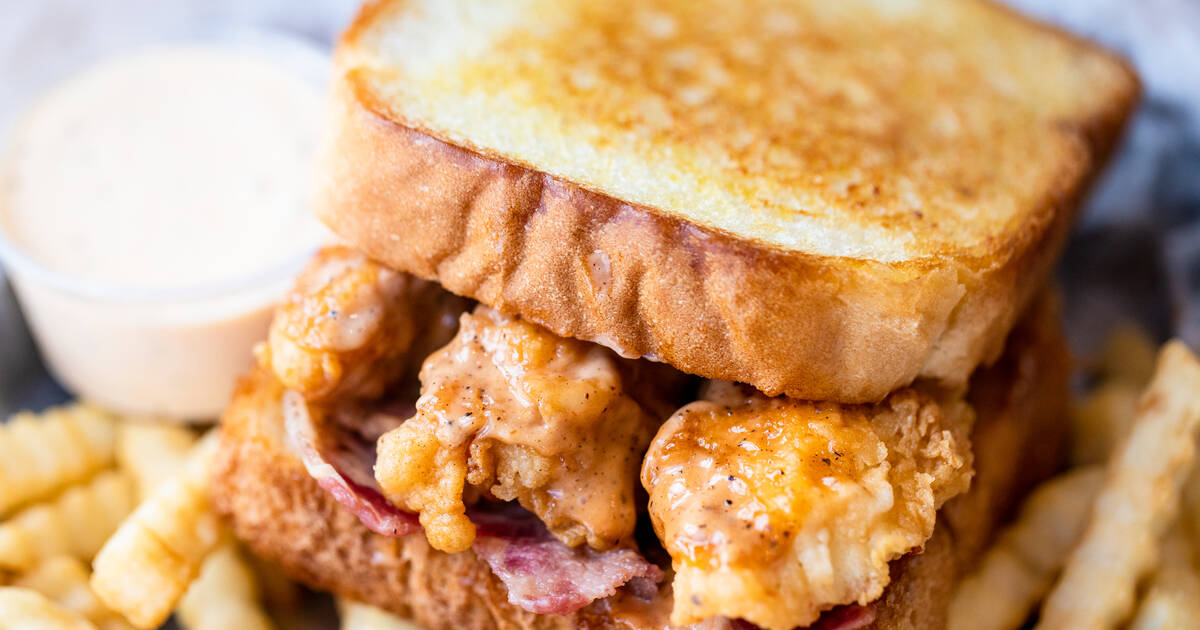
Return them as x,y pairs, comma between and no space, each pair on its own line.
282,514
646,283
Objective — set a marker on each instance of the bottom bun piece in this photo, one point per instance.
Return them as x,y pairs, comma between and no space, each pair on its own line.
282,514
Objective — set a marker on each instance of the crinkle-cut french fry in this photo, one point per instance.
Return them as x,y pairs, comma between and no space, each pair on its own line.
153,451
356,616
1139,500
1173,600
1128,355
41,454
1189,517
146,566
224,595
25,609
76,523
64,580
1101,419
1018,570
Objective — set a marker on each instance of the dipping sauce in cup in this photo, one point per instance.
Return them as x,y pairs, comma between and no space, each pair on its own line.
152,211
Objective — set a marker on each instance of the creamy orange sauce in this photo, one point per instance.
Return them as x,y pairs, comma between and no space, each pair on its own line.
511,410
774,510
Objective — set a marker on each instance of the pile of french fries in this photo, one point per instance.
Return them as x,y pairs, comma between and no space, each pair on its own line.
1112,542
105,525
105,522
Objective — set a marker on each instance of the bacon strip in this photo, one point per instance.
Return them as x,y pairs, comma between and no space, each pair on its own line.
545,576
339,478
541,574
852,617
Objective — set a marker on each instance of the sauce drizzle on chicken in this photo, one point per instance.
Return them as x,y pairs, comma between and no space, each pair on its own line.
350,324
511,411
775,509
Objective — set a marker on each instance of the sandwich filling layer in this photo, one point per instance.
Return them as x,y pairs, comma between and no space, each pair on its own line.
510,410
526,447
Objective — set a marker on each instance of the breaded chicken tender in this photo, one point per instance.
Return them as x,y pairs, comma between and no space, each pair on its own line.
509,410
775,509
349,323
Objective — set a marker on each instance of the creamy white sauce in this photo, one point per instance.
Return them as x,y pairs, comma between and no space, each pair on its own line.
167,168
153,184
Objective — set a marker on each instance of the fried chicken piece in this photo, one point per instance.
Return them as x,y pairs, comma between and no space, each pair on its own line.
512,411
775,509
349,323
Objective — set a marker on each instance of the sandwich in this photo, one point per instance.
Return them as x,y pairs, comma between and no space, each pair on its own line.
671,314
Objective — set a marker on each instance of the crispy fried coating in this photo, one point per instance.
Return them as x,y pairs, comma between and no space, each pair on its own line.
512,411
347,327
774,509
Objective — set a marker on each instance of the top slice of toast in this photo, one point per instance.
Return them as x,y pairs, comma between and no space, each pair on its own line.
886,181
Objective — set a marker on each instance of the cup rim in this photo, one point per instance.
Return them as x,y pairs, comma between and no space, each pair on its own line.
21,265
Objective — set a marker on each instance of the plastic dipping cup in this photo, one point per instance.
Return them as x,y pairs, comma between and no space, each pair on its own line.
174,354
153,209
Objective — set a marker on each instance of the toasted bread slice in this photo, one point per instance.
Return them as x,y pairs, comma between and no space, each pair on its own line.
821,199
282,514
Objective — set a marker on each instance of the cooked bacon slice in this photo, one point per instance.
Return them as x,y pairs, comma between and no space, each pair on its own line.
512,411
340,472
540,573
852,617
